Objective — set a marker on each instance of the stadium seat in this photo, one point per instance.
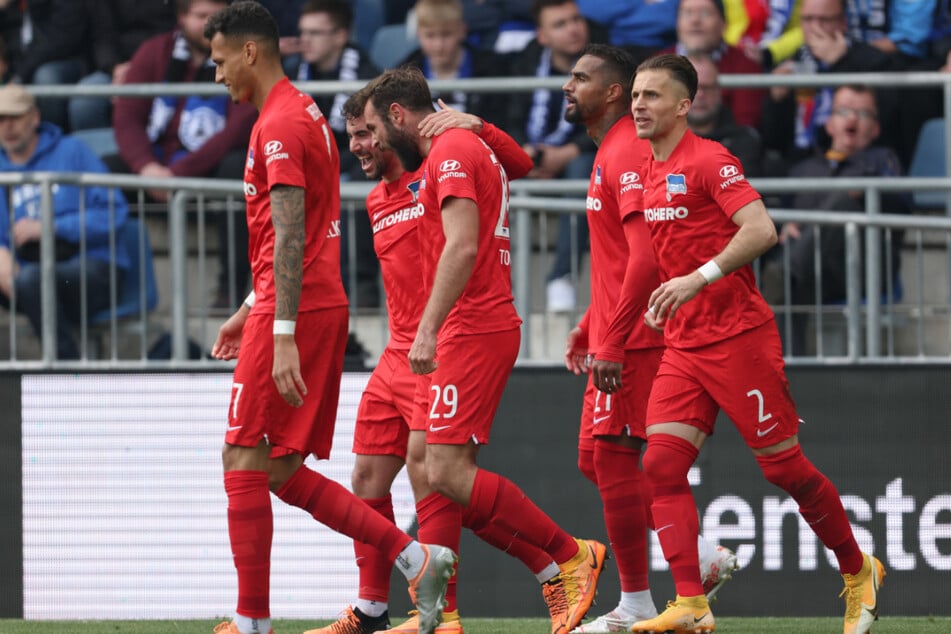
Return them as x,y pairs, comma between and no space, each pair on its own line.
391,44
928,161
102,141
138,294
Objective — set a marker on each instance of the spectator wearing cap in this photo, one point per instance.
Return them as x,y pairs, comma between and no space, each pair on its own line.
28,144
700,28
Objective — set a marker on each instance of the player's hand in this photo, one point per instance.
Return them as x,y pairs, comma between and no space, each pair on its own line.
286,370
606,375
446,119
422,354
671,295
576,351
228,343
27,230
790,231
778,93
651,322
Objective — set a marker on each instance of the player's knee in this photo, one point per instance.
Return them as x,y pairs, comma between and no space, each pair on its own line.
662,465
792,472
361,480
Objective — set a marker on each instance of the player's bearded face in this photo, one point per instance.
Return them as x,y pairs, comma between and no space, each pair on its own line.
404,145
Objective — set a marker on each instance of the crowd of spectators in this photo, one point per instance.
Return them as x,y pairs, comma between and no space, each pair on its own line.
91,42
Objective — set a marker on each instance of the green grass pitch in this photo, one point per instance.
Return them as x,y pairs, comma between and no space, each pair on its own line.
731,625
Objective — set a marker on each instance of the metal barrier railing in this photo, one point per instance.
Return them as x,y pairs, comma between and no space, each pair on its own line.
191,196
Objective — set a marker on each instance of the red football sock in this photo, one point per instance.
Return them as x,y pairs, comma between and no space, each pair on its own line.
534,558
621,484
586,459
250,527
496,500
375,569
341,510
440,522
819,503
666,463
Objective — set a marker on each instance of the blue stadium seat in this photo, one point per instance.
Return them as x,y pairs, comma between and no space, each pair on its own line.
102,141
928,161
130,296
391,44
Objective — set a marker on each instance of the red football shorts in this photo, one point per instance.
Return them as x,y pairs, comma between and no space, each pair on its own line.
386,408
467,385
624,412
742,375
259,411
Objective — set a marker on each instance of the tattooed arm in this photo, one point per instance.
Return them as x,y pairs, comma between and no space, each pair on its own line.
287,216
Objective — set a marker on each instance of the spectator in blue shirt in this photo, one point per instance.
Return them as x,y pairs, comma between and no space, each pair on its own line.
643,27
29,145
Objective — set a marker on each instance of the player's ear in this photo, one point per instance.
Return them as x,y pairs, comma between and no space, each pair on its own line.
683,107
615,92
396,113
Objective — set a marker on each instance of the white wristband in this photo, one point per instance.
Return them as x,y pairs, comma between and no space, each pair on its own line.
284,326
710,272
249,300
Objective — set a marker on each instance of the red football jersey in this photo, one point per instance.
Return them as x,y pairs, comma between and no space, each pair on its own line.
461,165
394,216
614,192
291,144
689,200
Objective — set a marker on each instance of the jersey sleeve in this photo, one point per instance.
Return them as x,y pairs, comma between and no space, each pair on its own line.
283,150
455,165
723,176
513,158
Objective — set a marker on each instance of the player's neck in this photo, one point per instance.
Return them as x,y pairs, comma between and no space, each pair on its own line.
266,81
599,129
663,146
393,175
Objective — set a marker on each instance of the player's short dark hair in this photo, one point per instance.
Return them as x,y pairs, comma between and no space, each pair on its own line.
617,64
540,5
405,85
677,66
355,104
246,18
340,11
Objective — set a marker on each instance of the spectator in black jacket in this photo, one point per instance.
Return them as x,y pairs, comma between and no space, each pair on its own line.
853,126
537,120
712,119
328,53
793,120
48,42
118,27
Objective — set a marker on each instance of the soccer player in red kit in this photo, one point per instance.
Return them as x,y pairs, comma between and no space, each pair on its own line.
723,350
626,352
468,336
285,390
386,409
